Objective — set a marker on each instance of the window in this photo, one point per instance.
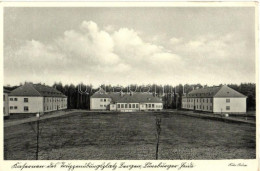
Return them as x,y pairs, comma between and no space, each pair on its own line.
26,108
101,105
133,106
15,99
211,100
227,107
25,100
122,105
152,105
11,107
105,105
125,105
105,100
197,100
228,100
207,108
146,105
137,106
11,99
129,105
4,97
149,105
101,100
118,105
15,107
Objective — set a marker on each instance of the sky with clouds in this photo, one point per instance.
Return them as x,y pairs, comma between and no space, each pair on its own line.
129,45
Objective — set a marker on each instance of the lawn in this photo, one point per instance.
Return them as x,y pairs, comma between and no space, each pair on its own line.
91,136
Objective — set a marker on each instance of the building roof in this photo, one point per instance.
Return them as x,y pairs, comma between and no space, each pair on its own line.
136,97
6,91
139,98
226,91
29,89
216,91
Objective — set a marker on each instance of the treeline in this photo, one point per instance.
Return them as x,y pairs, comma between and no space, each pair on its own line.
79,95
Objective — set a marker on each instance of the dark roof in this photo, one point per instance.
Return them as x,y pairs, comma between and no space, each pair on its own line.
204,92
226,91
139,98
29,89
216,91
6,91
128,98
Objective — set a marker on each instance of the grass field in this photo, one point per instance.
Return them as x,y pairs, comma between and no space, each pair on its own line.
106,136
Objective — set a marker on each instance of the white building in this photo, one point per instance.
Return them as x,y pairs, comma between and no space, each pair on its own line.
6,103
125,102
36,98
219,99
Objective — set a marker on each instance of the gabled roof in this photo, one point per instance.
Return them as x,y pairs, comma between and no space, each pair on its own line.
216,91
25,90
100,94
128,98
226,91
48,91
139,98
29,89
204,92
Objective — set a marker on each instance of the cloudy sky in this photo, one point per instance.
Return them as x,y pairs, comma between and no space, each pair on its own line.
129,45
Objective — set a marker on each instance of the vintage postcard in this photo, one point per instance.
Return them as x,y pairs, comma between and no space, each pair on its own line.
129,86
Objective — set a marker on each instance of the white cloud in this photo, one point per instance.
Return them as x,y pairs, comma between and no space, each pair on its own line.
92,52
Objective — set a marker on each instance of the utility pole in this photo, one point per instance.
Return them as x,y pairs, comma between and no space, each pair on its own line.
158,128
37,135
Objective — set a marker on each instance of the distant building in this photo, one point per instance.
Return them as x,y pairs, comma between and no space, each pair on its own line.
6,103
36,98
125,102
220,99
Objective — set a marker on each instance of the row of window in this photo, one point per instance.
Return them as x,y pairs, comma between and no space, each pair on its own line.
137,106
26,108
104,100
26,100
57,107
206,100
202,107
200,100
127,105
55,100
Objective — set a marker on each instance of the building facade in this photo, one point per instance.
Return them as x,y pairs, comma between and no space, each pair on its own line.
6,103
125,102
219,99
36,98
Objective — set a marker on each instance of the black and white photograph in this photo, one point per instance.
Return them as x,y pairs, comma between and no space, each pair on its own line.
130,83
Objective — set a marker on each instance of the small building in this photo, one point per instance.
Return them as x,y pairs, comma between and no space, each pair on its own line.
6,103
36,98
217,99
125,102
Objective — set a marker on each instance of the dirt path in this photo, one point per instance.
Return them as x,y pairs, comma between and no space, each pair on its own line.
9,123
213,116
